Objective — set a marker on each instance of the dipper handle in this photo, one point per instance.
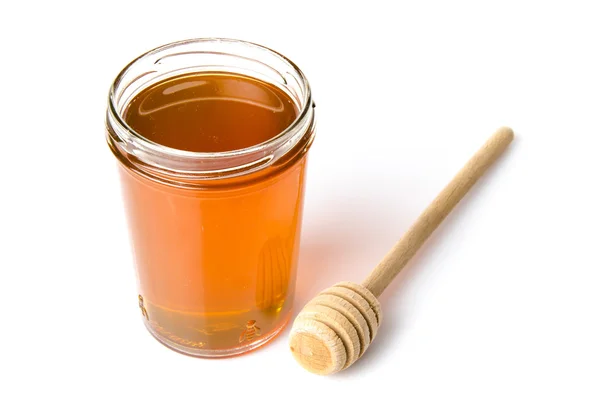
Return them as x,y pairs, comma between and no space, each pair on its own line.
436,212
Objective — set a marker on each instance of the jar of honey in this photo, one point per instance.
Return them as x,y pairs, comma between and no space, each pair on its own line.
211,139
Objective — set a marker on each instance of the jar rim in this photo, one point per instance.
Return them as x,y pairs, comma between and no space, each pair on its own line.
148,147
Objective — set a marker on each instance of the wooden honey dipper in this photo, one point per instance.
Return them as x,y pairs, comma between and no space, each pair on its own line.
335,328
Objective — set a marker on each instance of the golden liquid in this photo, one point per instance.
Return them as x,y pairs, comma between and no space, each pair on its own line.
216,266
210,112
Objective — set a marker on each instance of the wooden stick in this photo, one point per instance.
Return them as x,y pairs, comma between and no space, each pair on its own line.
436,212
335,328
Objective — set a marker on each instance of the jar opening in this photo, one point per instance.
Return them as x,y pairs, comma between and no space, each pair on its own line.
210,55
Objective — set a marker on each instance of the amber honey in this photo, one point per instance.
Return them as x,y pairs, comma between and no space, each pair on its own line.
212,168
210,112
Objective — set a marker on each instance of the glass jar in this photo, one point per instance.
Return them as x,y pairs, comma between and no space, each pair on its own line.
215,235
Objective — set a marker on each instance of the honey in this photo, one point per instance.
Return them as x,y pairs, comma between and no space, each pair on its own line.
210,112
212,167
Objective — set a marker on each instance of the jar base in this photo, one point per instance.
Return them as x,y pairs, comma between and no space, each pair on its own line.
219,353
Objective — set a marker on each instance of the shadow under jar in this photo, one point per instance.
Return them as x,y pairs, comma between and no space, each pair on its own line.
211,138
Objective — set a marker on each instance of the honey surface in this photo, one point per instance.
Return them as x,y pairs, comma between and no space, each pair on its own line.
210,112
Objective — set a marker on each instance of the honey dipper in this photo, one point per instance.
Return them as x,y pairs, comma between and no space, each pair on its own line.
335,328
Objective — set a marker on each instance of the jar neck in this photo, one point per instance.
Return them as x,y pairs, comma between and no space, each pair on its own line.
187,168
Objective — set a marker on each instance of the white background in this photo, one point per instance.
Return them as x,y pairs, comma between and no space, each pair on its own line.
501,305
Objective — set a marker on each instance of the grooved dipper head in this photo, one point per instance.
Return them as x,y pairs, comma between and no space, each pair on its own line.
335,328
